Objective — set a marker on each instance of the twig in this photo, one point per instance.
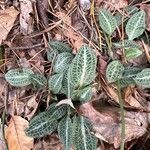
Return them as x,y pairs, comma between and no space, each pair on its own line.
122,116
25,48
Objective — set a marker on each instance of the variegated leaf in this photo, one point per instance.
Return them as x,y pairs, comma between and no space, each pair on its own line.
67,87
126,44
83,67
114,71
83,138
107,22
128,75
143,78
55,83
62,62
38,80
19,77
65,132
132,53
136,25
83,95
46,122
51,55
59,46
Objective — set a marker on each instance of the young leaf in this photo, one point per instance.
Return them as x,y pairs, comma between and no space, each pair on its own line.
83,139
143,78
83,67
114,71
107,22
19,77
59,46
65,131
62,62
136,25
38,80
83,95
132,53
55,83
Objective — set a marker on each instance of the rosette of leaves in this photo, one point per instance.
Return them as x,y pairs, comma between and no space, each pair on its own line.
19,77
114,71
107,21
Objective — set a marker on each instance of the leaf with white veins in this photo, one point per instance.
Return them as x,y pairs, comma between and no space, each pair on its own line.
65,131
136,25
83,67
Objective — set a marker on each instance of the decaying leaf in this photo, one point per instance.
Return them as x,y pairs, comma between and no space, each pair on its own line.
15,134
7,19
106,122
25,16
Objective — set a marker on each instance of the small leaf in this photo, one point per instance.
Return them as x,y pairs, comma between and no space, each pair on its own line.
83,95
126,44
62,62
65,131
114,71
55,83
15,134
19,77
136,25
107,22
38,80
83,139
59,46
143,78
132,53
83,67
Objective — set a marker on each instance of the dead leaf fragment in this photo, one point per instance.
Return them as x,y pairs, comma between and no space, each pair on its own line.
15,134
7,19
106,122
26,26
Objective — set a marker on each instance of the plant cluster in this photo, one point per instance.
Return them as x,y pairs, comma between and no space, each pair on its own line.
72,76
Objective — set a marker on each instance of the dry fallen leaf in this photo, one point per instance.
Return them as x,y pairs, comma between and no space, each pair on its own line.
106,122
69,31
15,134
7,19
146,8
26,25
